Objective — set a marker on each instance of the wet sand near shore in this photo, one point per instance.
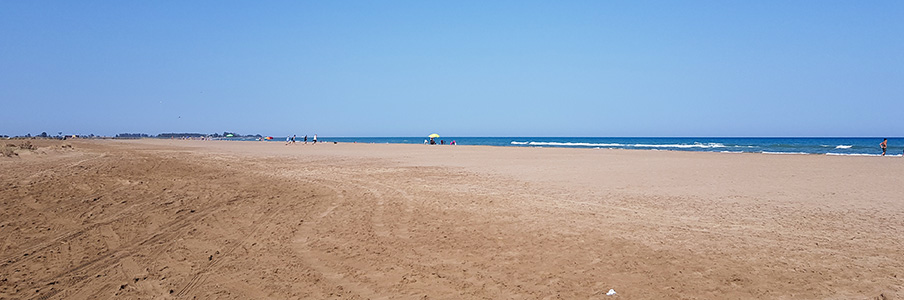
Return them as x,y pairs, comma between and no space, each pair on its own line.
172,219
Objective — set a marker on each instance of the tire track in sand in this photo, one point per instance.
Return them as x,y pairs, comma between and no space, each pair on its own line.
320,261
399,213
199,277
83,272
43,244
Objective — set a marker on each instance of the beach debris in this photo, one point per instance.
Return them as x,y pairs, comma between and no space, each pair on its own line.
27,146
611,292
11,150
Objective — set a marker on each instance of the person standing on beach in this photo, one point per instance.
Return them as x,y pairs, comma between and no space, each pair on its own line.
315,139
884,145
293,139
305,139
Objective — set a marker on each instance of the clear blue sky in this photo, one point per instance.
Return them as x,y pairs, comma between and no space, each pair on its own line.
482,68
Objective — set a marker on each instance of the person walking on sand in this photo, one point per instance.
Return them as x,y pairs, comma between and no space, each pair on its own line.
293,139
315,139
305,139
884,145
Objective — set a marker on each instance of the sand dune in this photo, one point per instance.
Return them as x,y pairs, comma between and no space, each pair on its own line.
249,220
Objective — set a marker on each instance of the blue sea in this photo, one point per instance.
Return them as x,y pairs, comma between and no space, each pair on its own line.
821,146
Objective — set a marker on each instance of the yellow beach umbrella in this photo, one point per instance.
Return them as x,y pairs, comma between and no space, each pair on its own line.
433,135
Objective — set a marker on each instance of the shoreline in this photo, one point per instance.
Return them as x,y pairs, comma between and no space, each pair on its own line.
685,146
554,147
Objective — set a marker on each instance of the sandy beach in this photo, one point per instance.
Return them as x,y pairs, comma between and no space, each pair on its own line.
174,219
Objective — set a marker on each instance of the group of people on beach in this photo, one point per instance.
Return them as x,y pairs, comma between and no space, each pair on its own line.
291,140
441,142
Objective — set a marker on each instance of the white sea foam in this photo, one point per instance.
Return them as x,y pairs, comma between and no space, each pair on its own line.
696,145
731,151
844,146
769,152
851,154
567,144
858,154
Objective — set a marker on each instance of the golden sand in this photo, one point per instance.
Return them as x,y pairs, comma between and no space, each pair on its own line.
247,220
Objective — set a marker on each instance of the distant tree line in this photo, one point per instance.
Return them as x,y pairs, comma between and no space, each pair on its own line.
44,135
167,135
137,135
132,135
180,135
